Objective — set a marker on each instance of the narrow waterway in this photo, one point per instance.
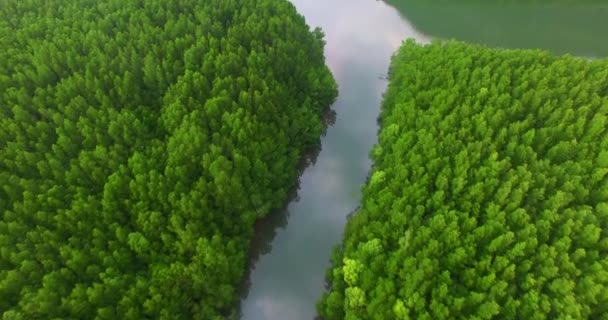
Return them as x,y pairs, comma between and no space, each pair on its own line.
287,274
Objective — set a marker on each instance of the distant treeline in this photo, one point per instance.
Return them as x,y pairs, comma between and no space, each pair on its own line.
139,142
488,197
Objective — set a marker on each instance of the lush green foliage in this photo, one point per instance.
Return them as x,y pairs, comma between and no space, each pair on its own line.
139,141
489,193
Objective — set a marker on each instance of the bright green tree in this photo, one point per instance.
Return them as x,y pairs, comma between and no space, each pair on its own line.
487,199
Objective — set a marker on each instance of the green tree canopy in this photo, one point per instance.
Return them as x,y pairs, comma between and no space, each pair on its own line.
488,198
139,142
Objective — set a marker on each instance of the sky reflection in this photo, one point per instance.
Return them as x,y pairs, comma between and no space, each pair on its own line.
361,36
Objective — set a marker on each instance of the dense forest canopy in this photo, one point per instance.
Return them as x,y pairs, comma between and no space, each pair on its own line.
488,197
139,141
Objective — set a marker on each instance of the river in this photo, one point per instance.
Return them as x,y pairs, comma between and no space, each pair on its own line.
288,277
574,27
292,247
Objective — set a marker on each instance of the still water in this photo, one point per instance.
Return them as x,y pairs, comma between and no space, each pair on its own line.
293,246
574,27
286,282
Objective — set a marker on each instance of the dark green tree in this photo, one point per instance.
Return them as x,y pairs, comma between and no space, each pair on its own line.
139,143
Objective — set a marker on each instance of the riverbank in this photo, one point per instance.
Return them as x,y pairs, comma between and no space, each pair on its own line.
287,274
487,197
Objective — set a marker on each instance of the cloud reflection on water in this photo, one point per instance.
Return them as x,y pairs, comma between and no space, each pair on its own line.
361,36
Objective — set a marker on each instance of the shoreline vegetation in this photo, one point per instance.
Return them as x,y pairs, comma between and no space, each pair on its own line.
143,142
488,195
574,27
139,143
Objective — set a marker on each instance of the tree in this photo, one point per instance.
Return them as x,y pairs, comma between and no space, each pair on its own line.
140,141
486,204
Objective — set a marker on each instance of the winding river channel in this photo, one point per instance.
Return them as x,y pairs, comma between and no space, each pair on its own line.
294,249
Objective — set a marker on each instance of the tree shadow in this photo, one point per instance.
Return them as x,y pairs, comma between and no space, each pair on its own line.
266,228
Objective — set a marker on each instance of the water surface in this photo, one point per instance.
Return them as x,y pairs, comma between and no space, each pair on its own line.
288,277
576,27
293,246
